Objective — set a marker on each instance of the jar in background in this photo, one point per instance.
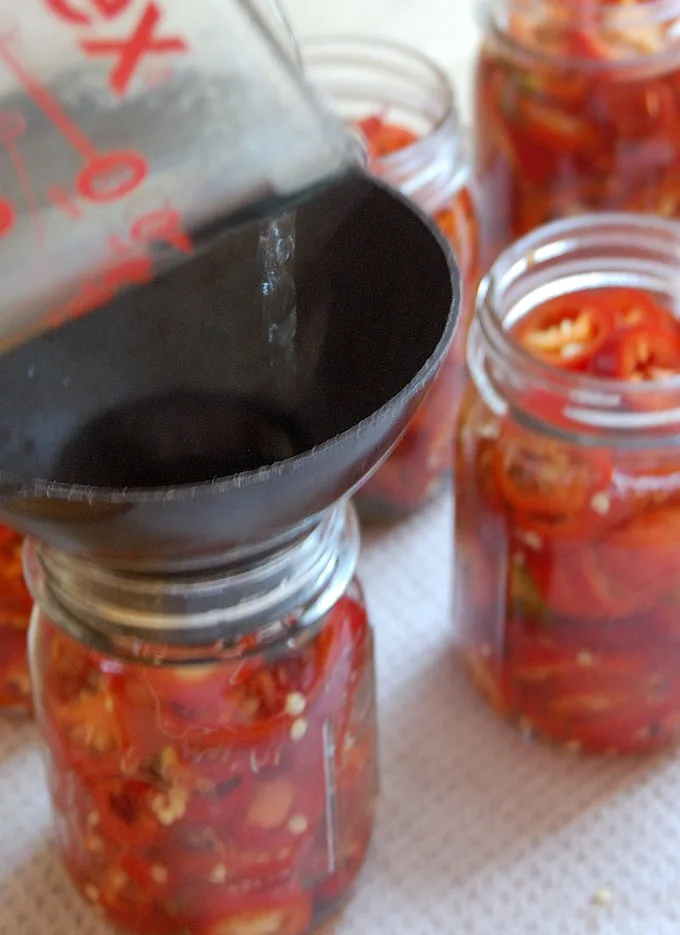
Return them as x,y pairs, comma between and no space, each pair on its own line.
404,108
567,549
210,738
15,614
577,110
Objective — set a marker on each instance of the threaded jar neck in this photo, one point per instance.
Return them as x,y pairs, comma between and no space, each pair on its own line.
270,596
630,32
363,77
571,256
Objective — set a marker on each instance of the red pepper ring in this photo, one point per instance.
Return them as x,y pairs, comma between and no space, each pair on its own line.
547,483
640,353
323,671
566,331
199,709
384,138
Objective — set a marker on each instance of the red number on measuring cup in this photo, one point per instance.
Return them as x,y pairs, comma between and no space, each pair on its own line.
146,38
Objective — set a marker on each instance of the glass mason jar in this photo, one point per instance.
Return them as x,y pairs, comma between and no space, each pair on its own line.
404,108
567,549
210,737
577,110
15,614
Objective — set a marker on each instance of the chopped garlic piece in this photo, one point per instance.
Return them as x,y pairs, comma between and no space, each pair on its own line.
600,502
295,704
170,806
603,897
569,351
218,874
298,729
298,824
532,539
159,873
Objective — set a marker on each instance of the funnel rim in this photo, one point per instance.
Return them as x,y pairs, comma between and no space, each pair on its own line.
248,479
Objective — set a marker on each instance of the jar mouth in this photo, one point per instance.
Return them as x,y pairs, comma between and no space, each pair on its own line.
274,595
368,76
604,20
570,256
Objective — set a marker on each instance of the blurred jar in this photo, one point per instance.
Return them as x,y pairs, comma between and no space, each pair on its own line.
577,110
15,614
404,108
210,738
567,553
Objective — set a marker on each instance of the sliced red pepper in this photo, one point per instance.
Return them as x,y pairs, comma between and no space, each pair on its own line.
599,580
555,129
547,484
634,730
642,557
567,330
384,138
124,809
287,914
639,353
166,833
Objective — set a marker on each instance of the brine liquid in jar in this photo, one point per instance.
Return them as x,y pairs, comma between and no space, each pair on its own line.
576,111
567,555
210,777
15,613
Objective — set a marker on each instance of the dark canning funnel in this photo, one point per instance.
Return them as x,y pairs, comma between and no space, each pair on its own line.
153,431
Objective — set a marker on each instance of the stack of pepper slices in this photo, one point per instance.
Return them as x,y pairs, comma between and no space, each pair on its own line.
193,798
15,614
576,112
590,579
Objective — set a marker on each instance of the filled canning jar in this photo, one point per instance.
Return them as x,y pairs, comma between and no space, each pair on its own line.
577,110
567,549
210,738
15,614
404,109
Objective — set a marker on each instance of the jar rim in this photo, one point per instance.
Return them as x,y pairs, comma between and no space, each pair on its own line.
276,595
602,18
587,252
324,50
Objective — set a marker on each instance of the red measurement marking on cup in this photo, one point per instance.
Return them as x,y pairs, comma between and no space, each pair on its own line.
164,226
7,217
61,198
67,11
106,176
147,37
12,127
129,263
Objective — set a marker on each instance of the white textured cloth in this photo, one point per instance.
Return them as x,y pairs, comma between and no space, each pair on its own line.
479,833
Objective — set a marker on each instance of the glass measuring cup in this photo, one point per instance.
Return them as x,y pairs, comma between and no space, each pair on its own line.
133,130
